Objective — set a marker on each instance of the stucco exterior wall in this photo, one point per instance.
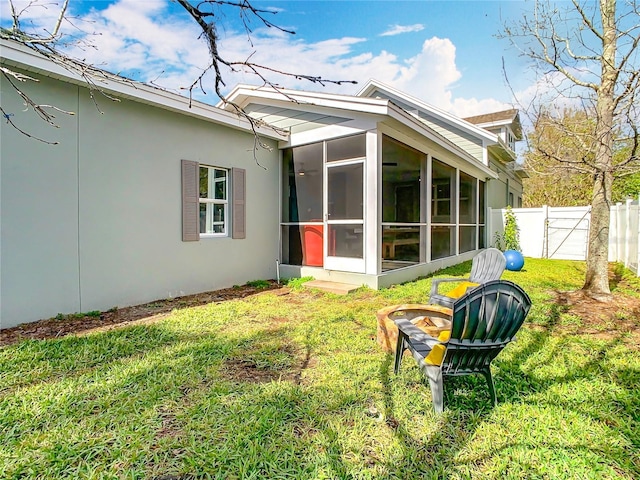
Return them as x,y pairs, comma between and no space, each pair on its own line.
95,222
39,202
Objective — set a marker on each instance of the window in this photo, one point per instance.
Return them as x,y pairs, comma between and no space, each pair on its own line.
403,235
214,205
444,202
443,193
467,213
213,202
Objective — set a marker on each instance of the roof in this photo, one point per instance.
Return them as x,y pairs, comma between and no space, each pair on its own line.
299,111
17,55
505,117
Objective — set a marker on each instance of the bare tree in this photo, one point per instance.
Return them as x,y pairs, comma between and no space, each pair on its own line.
560,149
206,13
590,53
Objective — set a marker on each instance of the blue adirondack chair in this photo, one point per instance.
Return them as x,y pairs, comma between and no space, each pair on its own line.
483,322
486,266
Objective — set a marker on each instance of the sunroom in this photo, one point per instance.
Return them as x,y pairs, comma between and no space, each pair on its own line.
370,194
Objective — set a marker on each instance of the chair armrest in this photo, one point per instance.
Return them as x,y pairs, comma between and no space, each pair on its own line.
415,334
435,283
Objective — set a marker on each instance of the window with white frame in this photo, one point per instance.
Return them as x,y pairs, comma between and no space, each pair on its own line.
214,201
511,140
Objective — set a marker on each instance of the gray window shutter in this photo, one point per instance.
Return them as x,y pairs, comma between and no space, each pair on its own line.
190,201
239,213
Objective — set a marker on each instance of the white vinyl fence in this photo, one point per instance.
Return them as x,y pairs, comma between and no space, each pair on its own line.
563,232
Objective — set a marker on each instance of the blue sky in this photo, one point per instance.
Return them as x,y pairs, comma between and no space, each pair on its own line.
443,52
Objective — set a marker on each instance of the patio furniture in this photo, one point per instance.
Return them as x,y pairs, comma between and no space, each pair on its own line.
487,265
483,322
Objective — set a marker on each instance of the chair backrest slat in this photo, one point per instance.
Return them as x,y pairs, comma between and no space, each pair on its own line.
484,321
487,265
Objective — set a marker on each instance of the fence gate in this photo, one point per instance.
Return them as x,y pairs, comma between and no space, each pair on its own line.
566,237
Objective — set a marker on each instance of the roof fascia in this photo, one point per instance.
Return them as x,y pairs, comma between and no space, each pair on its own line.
24,58
242,95
420,105
513,124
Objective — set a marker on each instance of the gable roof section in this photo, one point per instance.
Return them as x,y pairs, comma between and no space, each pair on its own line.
284,105
16,55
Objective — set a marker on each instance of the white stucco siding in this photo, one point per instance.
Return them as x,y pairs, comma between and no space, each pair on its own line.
39,207
137,175
95,222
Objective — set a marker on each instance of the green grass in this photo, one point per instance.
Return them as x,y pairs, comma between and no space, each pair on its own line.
294,386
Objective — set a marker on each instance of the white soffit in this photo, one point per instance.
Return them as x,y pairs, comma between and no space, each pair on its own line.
294,121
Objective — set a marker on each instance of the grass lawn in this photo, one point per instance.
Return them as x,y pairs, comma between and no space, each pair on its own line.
291,384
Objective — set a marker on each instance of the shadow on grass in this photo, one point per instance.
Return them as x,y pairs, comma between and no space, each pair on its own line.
614,408
154,404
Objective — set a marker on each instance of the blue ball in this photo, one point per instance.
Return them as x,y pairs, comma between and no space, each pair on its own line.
515,260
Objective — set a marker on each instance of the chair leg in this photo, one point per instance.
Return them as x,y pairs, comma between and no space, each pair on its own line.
399,351
436,382
492,390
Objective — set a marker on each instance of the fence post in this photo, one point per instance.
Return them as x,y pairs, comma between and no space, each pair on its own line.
619,245
545,231
613,233
637,233
627,233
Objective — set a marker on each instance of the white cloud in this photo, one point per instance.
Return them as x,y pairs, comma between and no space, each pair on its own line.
142,39
400,29
552,91
469,107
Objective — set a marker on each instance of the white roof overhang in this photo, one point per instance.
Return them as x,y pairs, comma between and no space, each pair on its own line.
502,152
293,108
21,57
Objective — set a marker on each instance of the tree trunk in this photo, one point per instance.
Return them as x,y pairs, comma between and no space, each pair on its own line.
597,277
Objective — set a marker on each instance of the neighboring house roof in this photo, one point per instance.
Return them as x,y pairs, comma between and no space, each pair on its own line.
19,56
299,111
506,117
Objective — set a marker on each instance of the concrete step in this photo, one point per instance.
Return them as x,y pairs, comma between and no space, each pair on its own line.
331,287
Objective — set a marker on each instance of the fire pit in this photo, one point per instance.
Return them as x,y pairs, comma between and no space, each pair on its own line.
432,319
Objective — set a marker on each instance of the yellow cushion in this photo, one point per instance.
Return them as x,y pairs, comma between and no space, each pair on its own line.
461,289
437,353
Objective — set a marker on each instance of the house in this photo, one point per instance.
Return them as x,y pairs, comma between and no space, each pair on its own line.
150,197
380,188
